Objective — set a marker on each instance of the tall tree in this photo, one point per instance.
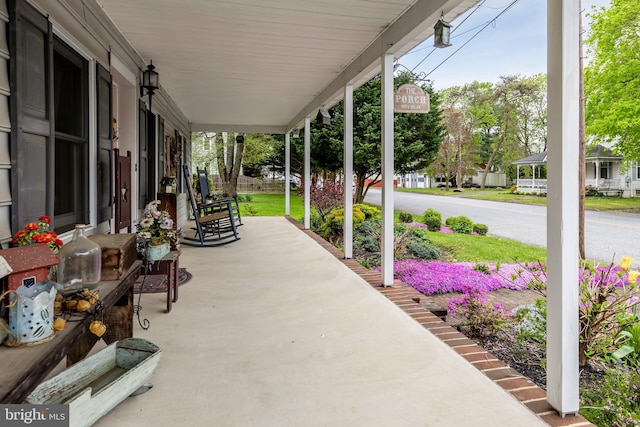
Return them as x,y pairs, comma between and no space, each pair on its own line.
417,137
453,160
612,77
531,113
229,153
522,118
471,119
260,154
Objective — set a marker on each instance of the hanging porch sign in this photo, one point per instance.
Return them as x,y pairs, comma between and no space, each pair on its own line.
410,98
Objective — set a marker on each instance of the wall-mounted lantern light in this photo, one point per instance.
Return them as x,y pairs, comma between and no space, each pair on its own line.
442,33
323,118
149,81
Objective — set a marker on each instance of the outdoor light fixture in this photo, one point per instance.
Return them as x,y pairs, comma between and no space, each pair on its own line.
149,81
296,133
442,33
240,139
323,118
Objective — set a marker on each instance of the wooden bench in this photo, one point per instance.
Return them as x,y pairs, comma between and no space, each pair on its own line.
23,368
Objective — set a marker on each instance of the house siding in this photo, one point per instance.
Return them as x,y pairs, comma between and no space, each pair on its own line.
85,23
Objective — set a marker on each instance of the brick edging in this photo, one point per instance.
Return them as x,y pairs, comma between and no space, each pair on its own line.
408,299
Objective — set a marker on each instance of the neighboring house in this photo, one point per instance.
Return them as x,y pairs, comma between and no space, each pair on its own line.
495,178
605,171
416,180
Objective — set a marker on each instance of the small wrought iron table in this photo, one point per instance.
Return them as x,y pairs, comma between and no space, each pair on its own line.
168,266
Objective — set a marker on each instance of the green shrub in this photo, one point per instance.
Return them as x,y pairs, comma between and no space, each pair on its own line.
592,192
245,198
334,222
460,224
367,236
481,229
531,321
615,401
370,212
405,217
420,233
479,318
422,250
413,243
482,268
432,219
249,210
315,221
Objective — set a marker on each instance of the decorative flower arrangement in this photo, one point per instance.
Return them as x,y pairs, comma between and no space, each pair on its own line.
38,233
156,226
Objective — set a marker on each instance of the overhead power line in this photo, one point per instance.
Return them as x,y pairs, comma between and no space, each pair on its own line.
492,21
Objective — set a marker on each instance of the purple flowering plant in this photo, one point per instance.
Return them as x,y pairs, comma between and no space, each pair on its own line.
438,277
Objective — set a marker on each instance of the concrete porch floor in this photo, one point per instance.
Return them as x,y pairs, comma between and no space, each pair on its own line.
273,330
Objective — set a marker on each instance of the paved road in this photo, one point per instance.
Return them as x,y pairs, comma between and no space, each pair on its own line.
607,234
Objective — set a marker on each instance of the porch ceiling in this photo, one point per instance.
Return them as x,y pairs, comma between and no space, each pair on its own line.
253,65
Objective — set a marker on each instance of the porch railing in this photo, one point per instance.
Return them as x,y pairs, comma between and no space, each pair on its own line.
604,184
532,185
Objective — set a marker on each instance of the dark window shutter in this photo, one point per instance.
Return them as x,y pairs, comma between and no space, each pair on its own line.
161,150
179,141
152,154
30,65
143,156
104,129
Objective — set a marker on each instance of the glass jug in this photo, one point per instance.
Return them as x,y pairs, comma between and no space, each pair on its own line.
80,263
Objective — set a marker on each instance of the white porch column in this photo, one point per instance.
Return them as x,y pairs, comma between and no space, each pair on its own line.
307,173
287,173
348,171
387,170
597,163
562,205
533,177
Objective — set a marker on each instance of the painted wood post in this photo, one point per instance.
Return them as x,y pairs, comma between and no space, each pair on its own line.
562,205
348,171
387,170
307,172
287,173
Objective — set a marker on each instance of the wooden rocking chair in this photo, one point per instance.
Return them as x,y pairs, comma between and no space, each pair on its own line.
215,225
205,193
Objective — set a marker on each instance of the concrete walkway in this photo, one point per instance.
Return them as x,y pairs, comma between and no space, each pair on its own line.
275,331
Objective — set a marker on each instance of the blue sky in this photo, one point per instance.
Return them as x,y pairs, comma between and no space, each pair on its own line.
515,43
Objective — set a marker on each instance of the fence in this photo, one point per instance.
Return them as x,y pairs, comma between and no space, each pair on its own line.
252,185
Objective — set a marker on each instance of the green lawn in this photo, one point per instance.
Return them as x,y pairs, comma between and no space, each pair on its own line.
271,205
457,247
592,203
464,247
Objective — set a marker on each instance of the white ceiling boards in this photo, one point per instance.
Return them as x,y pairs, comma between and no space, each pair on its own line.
256,64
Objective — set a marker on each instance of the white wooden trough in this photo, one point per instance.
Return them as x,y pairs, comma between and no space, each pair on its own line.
98,383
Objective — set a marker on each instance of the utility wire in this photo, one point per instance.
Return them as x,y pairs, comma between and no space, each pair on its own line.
492,21
457,26
472,37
